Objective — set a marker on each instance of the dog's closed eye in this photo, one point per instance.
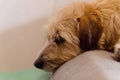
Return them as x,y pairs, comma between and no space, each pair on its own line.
59,39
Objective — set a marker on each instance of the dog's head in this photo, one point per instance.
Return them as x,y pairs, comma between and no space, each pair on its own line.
72,31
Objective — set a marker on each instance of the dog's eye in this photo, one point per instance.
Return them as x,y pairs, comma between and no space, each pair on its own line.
59,39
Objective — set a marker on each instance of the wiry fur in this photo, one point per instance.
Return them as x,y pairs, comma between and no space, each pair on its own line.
84,26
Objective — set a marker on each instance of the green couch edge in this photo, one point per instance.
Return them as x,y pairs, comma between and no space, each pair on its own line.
28,74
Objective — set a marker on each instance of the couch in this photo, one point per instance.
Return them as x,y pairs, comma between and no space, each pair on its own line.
91,65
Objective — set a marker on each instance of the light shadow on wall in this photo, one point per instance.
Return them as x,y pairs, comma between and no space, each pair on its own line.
20,45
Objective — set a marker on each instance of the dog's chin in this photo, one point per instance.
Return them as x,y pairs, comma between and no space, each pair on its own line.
49,69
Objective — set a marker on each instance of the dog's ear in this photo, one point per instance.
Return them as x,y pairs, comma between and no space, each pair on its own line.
90,30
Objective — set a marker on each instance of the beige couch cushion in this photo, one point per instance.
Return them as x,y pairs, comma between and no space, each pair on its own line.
92,65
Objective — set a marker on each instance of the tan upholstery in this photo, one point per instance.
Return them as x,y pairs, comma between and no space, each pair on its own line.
91,65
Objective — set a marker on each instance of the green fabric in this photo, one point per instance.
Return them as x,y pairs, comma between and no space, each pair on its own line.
31,74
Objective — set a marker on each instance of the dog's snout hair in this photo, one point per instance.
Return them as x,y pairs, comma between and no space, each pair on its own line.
80,27
47,53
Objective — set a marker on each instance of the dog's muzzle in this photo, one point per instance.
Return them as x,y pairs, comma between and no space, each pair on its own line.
39,62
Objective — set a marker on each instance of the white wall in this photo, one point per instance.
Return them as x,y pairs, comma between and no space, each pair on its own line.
22,33
61,3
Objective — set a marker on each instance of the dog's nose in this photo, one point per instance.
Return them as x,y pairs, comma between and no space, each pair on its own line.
39,64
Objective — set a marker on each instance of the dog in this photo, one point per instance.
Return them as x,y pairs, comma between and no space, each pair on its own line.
81,27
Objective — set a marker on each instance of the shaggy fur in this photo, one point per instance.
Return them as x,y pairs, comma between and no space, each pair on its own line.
80,27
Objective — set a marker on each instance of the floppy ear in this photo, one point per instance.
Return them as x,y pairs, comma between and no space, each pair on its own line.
90,31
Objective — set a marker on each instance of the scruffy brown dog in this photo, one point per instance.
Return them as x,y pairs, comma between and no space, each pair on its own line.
80,27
